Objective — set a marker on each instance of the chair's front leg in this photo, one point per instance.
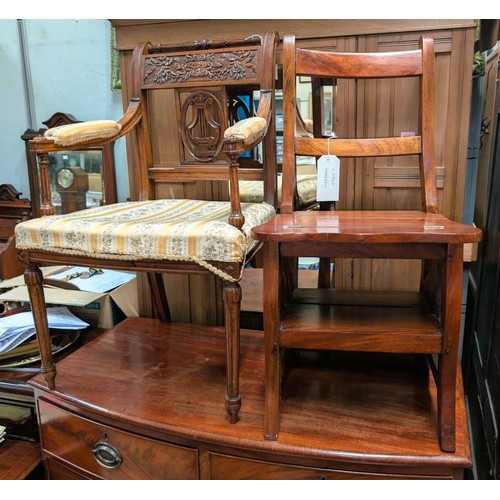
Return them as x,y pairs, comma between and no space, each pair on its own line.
272,305
232,303
33,278
451,309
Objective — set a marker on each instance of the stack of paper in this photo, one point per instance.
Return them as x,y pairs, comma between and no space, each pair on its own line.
17,328
2,434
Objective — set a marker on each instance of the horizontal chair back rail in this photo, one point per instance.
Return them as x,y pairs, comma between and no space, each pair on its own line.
368,65
354,148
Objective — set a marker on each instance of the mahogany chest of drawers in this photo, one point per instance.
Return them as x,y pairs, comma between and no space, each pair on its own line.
143,401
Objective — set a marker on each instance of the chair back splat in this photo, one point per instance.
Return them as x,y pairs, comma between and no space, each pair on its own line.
421,322
187,140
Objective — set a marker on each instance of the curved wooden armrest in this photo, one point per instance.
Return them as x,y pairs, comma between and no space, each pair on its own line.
128,121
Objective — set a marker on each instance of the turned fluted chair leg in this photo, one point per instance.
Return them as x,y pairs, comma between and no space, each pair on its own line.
33,278
232,302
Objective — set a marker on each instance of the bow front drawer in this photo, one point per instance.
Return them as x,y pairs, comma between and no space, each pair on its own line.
100,451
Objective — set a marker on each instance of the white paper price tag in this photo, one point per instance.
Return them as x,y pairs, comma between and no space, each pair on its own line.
328,178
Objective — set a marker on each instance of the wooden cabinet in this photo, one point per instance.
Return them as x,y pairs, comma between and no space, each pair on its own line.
366,184
13,209
159,411
482,347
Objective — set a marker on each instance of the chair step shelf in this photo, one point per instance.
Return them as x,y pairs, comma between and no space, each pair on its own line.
360,326
383,298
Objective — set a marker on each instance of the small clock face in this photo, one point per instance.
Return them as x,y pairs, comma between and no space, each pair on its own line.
65,178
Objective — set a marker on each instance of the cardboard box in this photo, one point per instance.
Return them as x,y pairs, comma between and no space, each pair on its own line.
101,309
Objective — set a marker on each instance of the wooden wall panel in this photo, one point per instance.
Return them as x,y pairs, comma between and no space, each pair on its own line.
131,31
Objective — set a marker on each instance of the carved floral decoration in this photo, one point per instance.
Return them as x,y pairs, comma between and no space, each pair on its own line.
214,66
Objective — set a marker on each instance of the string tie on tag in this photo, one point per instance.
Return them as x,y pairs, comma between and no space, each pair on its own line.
328,153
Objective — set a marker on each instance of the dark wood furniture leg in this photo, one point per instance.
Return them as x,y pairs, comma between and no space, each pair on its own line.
272,305
33,278
324,276
232,303
159,294
451,306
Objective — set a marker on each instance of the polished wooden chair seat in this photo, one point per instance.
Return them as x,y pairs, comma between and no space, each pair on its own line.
182,235
423,321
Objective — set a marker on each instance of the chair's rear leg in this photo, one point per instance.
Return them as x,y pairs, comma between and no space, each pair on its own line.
451,307
232,303
33,278
160,299
324,276
289,278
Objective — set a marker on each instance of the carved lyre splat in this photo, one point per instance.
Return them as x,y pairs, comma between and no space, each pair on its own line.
200,124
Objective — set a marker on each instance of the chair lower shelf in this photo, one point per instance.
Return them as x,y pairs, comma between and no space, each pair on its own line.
156,390
360,321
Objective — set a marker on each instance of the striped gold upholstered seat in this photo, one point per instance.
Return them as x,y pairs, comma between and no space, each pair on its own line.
188,230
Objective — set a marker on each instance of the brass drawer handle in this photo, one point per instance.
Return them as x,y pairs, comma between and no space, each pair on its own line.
106,455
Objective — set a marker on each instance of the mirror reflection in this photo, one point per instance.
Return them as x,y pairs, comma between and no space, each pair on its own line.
76,180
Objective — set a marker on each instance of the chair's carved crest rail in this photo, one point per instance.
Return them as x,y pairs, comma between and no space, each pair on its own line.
213,66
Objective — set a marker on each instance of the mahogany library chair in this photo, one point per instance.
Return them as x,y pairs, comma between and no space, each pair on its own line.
426,321
180,96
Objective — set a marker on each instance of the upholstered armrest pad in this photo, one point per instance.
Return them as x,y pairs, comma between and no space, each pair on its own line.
308,124
76,133
249,130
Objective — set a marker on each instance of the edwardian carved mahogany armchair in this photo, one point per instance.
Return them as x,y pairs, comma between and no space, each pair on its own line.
189,86
426,321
